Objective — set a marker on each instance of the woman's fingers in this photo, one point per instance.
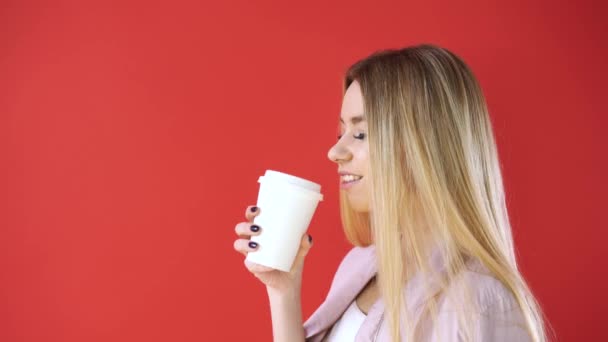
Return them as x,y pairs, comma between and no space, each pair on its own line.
247,229
245,246
305,246
251,212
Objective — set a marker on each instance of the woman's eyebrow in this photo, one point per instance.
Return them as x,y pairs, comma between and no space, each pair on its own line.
355,119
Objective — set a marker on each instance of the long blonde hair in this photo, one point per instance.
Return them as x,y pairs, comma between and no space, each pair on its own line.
432,159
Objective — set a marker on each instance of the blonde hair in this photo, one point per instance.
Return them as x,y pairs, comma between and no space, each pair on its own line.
432,159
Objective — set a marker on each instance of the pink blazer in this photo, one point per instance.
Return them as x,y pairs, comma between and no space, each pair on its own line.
500,318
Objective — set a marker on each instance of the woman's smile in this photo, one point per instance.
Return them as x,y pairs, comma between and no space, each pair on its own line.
348,182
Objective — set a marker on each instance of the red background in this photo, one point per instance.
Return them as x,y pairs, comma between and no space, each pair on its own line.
132,135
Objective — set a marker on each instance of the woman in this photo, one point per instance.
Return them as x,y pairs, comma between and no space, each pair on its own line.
423,203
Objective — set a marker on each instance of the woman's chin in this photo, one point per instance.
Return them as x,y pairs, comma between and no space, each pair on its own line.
359,207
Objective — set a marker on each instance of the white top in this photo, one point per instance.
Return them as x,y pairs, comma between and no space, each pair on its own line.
345,329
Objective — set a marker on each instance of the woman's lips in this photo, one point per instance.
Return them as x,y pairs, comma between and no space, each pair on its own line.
349,184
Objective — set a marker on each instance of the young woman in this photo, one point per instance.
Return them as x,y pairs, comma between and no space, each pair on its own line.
423,203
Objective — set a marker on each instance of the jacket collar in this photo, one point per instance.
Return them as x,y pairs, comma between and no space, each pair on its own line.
356,270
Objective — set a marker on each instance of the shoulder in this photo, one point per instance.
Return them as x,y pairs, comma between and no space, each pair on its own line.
496,312
486,292
357,259
357,255
358,263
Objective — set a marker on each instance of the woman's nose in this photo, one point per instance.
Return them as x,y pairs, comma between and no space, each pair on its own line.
338,153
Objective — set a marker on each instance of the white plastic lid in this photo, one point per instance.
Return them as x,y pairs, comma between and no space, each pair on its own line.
273,175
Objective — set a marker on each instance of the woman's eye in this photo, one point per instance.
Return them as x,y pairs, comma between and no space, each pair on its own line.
360,136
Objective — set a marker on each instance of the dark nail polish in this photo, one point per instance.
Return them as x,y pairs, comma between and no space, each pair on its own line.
254,209
253,244
254,228
309,238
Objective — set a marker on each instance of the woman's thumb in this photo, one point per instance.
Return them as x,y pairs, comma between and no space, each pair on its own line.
308,243
305,245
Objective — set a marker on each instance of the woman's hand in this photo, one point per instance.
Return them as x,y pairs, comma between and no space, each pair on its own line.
275,280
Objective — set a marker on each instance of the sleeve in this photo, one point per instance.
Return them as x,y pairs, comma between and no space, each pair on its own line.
498,319
502,325
488,326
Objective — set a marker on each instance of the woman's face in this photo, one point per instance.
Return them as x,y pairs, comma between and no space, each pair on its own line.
351,151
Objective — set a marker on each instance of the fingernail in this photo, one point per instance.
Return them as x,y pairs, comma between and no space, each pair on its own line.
309,238
254,228
253,244
254,209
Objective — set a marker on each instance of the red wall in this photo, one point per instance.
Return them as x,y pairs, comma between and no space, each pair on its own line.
132,136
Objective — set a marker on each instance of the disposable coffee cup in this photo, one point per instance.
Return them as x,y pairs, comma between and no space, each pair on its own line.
287,204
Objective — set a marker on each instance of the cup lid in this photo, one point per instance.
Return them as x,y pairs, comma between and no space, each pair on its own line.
301,182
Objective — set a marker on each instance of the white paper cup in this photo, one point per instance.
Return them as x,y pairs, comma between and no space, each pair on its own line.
287,204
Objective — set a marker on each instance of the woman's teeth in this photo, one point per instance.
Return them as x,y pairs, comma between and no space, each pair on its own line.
350,178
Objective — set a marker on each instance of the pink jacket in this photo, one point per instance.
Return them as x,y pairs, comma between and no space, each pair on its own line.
500,318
